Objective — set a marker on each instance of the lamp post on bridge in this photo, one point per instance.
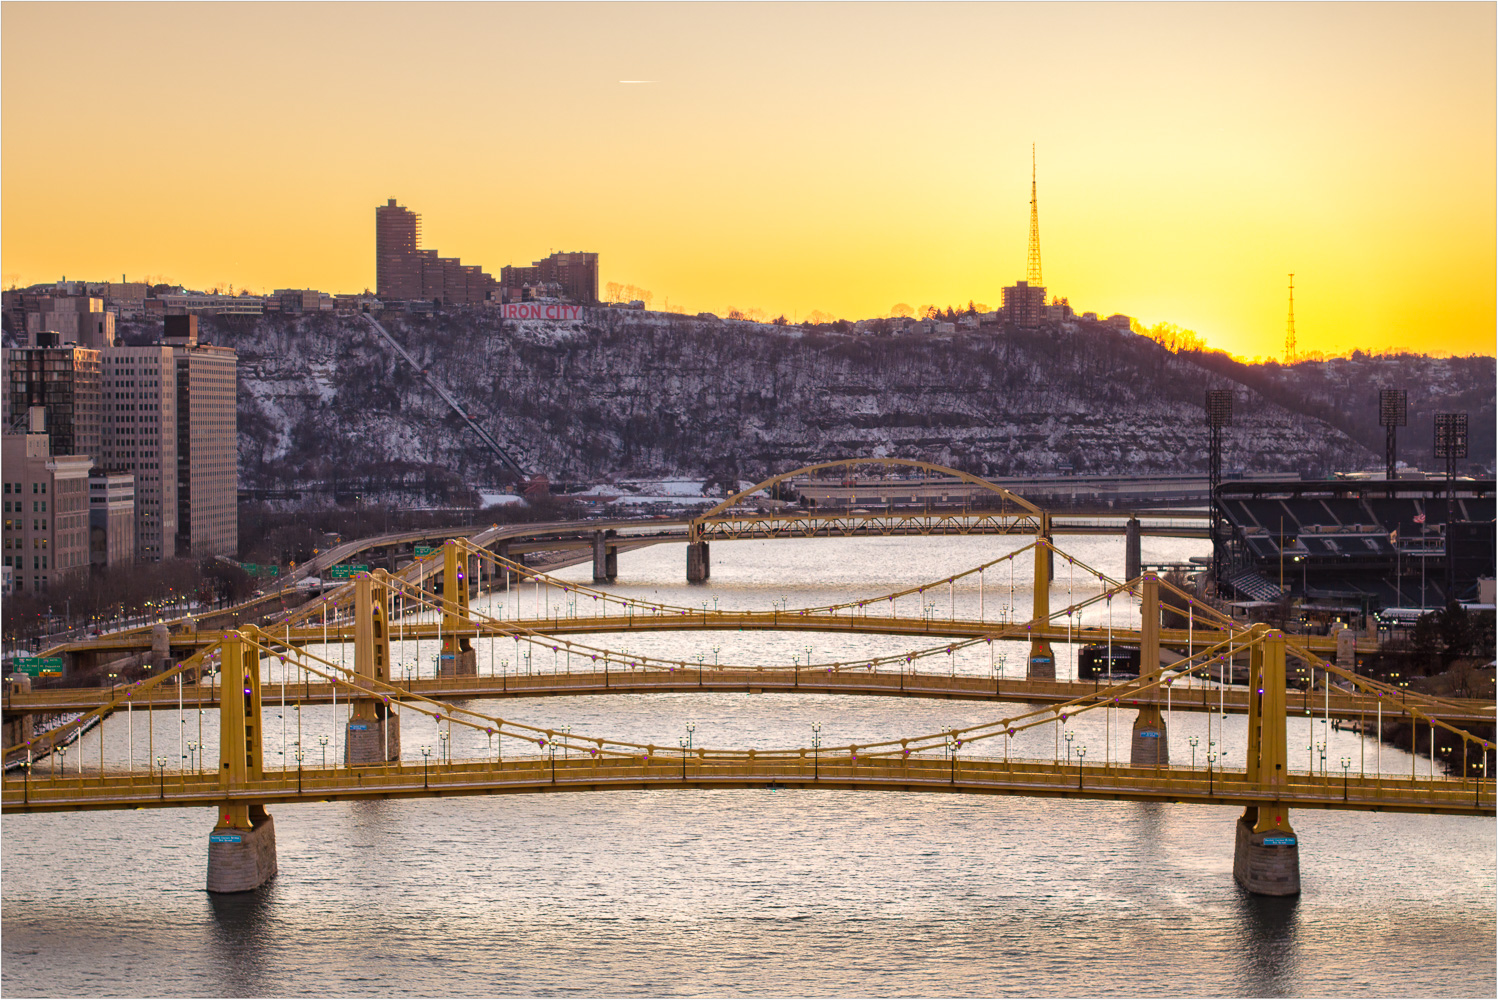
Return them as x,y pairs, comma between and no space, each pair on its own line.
691,728
1194,740
1346,763
161,774
1081,752
1070,735
1211,759
681,741
816,747
322,741
1321,751
300,753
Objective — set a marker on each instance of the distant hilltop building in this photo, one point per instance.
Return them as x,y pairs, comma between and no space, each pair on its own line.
570,276
403,270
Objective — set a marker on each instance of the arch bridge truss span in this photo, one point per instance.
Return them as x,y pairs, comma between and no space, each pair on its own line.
969,505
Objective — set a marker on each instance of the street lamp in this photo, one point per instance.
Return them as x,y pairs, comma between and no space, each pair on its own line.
192,751
1081,752
300,753
681,741
1321,750
426,752
691,728
444,753
1193,741
1346,763
322,741
1211,759
62,758
161,773
1070,735
816,746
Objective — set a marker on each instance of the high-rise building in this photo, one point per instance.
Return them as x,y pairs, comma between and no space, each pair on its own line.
63,380
207,443
1024,305
140,438
46,507
403,270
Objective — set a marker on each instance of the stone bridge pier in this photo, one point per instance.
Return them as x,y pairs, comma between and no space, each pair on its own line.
605,557
699,565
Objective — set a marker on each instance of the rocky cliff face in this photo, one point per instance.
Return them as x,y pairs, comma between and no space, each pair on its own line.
642,395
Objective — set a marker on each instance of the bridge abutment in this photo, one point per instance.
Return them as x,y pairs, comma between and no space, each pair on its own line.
1148,746
241,850
699,565
1266,852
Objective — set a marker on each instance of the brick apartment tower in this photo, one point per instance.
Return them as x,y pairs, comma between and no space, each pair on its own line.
397,257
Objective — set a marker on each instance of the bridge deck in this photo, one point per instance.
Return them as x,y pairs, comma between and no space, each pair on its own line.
735,621
994,776
1183,697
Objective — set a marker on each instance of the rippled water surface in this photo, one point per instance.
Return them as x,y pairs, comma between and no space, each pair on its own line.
758,892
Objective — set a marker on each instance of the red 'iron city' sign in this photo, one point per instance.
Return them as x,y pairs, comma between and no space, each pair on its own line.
540,310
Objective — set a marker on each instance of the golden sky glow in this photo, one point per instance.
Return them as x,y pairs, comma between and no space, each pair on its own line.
841,157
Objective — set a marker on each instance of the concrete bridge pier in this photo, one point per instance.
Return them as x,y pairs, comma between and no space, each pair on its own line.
242,854
1148,746
605,557
1266,852
1133,561
373,735
699,566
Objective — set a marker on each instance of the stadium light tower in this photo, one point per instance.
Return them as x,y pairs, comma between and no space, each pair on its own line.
1393,411
1451,444
1219,408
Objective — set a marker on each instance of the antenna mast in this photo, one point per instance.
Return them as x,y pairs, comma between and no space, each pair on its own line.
1033,268
1290,327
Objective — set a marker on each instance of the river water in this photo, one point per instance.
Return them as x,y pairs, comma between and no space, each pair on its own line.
753,892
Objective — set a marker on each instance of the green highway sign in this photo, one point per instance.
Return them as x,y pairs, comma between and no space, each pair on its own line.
251,568
423,550
35,666
347,571
270,571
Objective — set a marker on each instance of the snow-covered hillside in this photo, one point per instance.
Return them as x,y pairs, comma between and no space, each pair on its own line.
650,396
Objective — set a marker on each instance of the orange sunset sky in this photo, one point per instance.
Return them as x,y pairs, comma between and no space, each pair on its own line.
839,158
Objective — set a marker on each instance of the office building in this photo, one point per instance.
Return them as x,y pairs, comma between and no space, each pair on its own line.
111,519
76,319
64,381
207,442
140,438
46,507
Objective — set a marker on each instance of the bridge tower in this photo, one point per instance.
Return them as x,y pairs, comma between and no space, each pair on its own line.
1042,657
1266,852
1148,746
373,735
458,656
242,846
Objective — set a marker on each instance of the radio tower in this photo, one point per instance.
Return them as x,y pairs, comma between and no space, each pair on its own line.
1290,327
1033,268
